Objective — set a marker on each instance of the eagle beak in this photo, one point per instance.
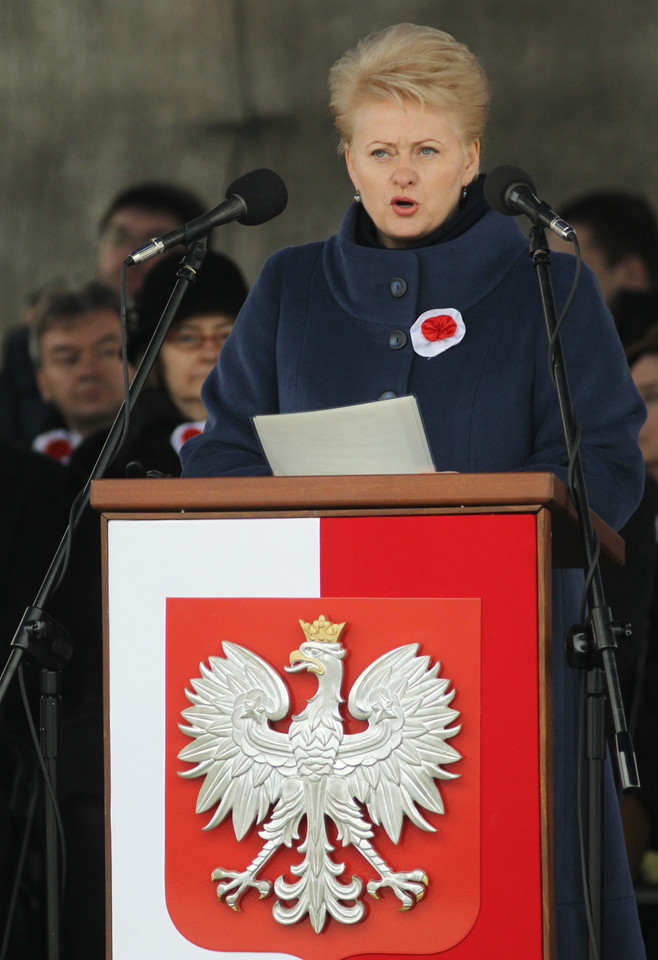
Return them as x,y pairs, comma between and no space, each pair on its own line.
299,661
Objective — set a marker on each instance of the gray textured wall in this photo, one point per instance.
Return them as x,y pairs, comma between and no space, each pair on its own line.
97,94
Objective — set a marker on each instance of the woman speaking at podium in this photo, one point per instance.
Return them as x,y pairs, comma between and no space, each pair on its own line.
425,290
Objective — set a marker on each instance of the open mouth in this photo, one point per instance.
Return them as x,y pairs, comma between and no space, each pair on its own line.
403,205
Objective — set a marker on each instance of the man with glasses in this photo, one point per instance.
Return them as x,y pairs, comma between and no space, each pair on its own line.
135,216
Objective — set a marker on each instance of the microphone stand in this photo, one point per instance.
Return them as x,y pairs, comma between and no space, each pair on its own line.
46,641
589,646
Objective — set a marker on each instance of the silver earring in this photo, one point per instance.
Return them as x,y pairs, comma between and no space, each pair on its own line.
465,192
357,197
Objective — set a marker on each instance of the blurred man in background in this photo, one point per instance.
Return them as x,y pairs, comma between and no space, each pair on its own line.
75,347
618,236
135,216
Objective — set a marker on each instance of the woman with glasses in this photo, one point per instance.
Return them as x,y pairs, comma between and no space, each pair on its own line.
171,410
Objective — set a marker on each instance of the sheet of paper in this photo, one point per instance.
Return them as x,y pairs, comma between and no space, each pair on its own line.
382,437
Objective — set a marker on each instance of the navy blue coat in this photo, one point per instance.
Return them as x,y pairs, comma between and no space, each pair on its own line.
315,332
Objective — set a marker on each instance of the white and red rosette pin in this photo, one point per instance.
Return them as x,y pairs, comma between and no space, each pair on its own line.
58,444
437,330
185,432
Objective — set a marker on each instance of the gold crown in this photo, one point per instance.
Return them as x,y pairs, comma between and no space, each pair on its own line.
322,630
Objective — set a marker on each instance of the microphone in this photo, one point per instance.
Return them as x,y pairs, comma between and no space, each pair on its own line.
510,190
251,199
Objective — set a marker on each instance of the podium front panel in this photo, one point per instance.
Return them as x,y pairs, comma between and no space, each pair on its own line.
459,603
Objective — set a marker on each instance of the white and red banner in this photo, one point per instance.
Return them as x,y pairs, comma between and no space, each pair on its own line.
464,588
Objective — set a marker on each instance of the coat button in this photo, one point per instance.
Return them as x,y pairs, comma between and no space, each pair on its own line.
397,339
398,287
387,395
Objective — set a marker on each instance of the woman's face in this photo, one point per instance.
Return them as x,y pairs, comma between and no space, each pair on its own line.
645,374
188,355
409,165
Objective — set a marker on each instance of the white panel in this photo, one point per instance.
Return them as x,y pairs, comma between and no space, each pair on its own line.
150,560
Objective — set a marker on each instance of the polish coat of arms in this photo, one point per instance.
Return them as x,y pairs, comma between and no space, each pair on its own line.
316,770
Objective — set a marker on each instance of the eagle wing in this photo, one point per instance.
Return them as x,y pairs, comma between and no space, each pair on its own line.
244,761
392,765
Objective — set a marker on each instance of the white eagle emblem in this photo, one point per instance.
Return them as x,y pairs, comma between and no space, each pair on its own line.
316,770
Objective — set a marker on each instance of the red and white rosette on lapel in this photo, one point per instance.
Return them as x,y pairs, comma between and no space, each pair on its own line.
436,331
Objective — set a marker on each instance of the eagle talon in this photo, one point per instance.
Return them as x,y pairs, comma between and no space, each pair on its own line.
408,887
241,882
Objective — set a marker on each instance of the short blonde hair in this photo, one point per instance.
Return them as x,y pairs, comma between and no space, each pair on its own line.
409,62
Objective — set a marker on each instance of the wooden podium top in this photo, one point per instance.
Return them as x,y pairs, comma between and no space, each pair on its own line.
399,494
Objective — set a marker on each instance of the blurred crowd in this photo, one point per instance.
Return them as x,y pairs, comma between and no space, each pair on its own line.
61,386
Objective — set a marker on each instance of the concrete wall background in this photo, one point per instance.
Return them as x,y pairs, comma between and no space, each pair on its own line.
98,94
